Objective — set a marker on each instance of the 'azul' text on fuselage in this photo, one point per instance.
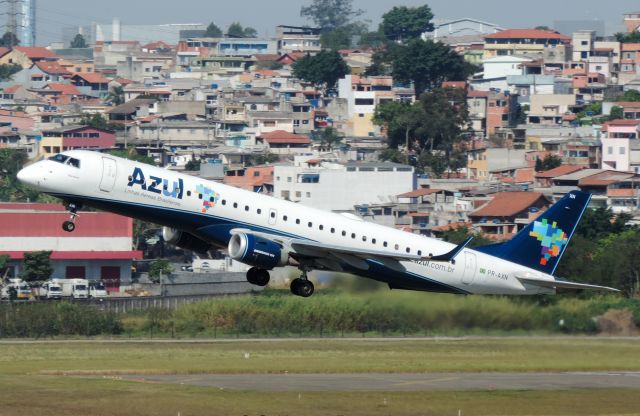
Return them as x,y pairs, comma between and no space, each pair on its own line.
156,184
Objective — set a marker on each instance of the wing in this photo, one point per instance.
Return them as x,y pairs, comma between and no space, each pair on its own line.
334,257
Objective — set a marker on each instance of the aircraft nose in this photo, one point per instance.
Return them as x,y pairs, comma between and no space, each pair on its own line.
30,175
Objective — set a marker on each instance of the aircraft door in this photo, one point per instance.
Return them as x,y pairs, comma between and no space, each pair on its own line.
109,170
273,216
469,268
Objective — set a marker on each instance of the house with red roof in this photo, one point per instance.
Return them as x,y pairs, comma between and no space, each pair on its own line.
99,249
94,84
41,73
507,213
545,179
281,142
534,43
26,56
61,94
253,178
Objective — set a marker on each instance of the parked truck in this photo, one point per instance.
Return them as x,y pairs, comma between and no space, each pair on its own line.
73,288
16,289
49,290
97,290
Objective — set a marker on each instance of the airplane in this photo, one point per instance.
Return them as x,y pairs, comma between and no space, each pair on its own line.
267,233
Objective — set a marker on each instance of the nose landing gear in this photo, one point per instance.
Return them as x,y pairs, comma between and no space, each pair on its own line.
70,226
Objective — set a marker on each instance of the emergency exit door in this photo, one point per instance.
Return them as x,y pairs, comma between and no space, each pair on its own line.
109,171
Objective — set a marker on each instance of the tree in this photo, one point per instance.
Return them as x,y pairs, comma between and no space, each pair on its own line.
263,159
116,95
4,262
250,32
542,27
392,155
193,164
159,268
631,95
328,138
402,121
598,223
213,31
235,30
132,154
459,234
11,161
633,37
446,117
330,14
97,121
427,64
549,162
402,23
618,262
8,70
322,70
79,42
9,40
37,266
617,113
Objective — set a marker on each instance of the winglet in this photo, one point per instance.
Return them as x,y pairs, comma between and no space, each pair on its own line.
450,256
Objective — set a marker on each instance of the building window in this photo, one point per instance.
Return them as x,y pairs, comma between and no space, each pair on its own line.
622,151
609,150
308,194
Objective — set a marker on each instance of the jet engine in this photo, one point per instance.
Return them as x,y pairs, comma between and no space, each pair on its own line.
184,240
256,251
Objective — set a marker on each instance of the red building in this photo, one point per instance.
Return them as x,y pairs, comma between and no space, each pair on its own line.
79,137
99,248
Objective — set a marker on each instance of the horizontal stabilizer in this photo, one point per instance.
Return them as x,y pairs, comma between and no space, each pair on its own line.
450,256
562,284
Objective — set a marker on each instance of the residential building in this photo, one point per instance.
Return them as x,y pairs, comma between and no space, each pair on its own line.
93,84
507,213
298,39
549,109
629,62
281,142
446,28
632,21
619,137
75,137
322,184
532,43
26,56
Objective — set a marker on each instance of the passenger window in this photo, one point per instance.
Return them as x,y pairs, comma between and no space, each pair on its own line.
385,244
321,227
235,205
373,241
333,230
211,199
284,218
298,221
408,250
224,202
419,252
246,208
397,247
310,224
188,193
259,211
353,235
344,233
199,196
364,238
273,215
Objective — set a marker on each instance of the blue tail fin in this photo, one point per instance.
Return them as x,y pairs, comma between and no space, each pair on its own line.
541,244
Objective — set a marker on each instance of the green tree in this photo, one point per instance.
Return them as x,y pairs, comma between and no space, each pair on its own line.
459,234
116,95
402,121
263,159
618,262
11,161
337,39
4,263
617,113
78,42
235,30
330,14
8,70
373,39
549,162
213,31
631,95
328,138
446,118
392,155
427,64
598,223
159,268
132,154
97,121
322,70
193,164
37,266
542,27
633,37
402,23
9,40
250,32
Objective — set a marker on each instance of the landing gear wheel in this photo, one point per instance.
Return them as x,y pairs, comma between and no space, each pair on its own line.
302,287
258,277
68,226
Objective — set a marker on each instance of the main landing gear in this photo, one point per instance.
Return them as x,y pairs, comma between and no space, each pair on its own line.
258,277
302,286
70,225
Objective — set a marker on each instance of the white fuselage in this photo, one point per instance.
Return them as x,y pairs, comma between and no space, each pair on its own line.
209,209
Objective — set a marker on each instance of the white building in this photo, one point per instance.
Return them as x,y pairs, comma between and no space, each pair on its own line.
339,187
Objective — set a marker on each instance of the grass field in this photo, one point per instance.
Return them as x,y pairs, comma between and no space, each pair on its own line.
35,378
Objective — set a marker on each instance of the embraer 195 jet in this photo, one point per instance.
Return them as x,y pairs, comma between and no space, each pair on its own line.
264,232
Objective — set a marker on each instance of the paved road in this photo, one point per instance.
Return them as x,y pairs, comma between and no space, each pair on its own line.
402,382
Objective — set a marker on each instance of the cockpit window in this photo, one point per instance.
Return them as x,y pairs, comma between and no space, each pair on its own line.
60,158
73,162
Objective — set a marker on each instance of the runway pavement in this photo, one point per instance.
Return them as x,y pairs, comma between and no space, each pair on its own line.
401,382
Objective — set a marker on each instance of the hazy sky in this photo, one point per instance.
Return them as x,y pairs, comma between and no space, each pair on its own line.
264,15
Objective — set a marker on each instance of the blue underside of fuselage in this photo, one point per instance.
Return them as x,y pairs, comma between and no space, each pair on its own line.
217,229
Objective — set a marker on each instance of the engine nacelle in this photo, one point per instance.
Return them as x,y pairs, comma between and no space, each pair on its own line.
184,240
257,251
